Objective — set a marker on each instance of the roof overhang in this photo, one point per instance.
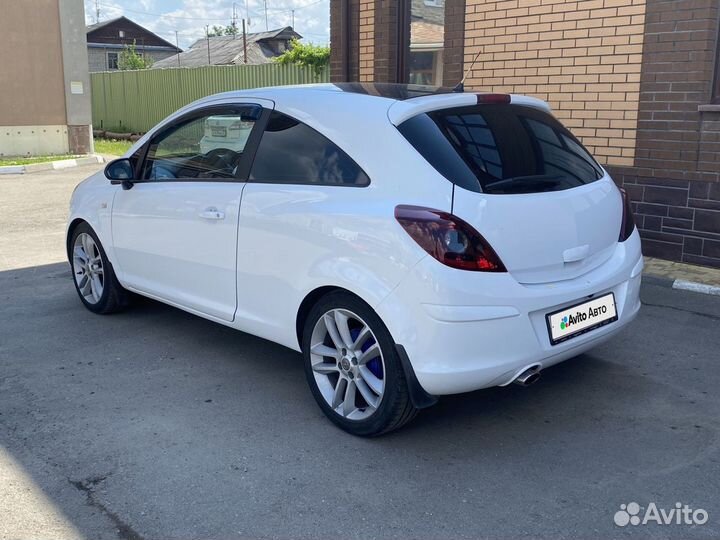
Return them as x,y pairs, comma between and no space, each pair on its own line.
138,47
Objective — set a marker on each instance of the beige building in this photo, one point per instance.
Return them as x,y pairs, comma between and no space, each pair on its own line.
45,103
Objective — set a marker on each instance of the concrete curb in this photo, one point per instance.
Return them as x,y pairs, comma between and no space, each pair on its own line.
693,286
681,284
51,165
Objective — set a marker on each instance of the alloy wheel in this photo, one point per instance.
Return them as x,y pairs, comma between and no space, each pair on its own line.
88,268
348,364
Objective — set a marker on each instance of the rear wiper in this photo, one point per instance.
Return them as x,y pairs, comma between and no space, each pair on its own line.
518,184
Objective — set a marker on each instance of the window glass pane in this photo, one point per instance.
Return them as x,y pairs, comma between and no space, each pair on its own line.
427,37
472,133
560,154
112,60
206,147
501,149
292,153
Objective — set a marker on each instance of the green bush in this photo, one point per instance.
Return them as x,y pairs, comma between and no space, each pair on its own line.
131,59
306,54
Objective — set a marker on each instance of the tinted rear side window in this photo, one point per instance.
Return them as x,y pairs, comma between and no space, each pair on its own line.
291,152
501,149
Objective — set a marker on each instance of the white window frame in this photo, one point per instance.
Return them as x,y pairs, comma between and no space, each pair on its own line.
117,61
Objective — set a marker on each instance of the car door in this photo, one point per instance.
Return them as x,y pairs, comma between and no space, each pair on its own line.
175,230
298,222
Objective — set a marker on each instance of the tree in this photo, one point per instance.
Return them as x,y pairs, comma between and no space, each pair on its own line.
131,59
229,30
306,54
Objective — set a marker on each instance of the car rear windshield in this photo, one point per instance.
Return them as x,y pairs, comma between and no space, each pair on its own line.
501,149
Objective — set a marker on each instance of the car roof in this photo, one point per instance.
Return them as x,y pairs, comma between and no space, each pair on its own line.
390,91
397,101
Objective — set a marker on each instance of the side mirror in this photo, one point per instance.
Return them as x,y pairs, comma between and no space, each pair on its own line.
120,171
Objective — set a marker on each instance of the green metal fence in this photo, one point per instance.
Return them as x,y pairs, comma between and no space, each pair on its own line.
134,101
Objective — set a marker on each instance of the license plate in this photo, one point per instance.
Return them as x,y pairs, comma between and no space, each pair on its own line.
218,131
581,318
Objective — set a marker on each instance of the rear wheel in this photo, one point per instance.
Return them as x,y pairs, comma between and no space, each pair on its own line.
94,278
353,368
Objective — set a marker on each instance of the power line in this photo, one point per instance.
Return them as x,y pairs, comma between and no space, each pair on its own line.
296,8
165,15
275,12
284,9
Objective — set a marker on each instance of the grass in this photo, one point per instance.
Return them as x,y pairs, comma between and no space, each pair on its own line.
33,159
112,147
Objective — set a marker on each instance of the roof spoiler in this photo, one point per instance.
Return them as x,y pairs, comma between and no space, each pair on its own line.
402,110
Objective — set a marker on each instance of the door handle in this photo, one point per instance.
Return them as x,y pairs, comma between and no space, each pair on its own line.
212,213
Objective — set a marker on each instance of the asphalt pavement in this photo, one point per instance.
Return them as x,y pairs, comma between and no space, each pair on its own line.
154,423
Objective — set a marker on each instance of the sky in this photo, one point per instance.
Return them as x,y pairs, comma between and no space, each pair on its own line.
189,17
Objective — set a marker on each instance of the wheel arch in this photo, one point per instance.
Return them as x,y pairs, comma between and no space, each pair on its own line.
312,298
68,237
418,396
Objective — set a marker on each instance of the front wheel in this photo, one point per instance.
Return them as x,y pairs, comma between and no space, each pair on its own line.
353,368
94,277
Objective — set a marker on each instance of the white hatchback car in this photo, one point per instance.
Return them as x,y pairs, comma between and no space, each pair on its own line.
411,242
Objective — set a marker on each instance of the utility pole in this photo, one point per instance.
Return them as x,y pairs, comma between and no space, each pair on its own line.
177,44
266,18
234,22
244,44
207,37
293,18
97,11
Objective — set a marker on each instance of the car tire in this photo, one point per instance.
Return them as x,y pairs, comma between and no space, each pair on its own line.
353,369
93,275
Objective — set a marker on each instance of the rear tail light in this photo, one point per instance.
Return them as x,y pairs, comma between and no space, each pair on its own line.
628,222
448,239
493,99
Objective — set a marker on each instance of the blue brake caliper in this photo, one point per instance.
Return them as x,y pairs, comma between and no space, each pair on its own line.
374,365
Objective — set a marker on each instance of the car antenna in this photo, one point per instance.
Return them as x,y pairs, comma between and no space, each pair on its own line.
460,87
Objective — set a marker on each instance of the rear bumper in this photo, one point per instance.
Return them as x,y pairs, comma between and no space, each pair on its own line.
467,330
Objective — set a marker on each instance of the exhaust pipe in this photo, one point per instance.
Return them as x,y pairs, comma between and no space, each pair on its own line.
529,376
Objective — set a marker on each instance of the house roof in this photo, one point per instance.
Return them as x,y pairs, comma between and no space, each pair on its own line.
92,27
426,34
225,50
99,32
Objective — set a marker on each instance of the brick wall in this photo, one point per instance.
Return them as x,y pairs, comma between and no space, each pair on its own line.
583,57
338,50
454,45
388,17
345,39
377,35
367,40
675,179
631,78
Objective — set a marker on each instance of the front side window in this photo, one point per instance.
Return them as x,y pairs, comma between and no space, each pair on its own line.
291,152
209,146
501,149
